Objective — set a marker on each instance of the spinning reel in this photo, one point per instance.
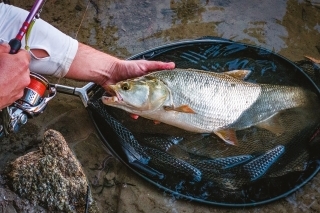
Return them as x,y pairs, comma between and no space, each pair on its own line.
32,103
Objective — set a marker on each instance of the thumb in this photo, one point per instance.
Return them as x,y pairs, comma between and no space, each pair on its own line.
106,84
4,48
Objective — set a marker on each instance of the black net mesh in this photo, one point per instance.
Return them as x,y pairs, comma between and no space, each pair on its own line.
262,168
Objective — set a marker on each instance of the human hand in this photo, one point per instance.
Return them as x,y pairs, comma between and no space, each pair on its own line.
15,75
125,69
90,64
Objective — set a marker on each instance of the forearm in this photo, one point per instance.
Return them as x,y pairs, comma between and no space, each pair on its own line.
92,65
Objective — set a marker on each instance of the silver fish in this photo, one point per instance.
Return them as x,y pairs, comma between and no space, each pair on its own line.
207,102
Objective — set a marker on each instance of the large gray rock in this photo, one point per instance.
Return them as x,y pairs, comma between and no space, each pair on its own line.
51,177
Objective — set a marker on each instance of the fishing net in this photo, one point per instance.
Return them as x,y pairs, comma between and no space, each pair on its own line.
201,167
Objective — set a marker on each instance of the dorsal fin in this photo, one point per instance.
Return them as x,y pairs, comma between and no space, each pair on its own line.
238,74
317,61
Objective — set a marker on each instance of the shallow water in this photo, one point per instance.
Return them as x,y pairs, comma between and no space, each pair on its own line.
124,28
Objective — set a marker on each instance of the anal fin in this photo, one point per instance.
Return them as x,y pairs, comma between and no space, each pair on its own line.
272,124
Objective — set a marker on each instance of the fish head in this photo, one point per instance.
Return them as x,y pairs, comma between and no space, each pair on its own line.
137,95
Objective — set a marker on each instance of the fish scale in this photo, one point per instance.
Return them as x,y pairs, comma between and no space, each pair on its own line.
205,86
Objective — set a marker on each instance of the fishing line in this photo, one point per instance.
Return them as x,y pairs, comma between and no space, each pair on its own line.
76,35
84,14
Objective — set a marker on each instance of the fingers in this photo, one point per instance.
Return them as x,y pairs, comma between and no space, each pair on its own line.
164,65
4,48
24,54
134,68
105,85
27,80
156,65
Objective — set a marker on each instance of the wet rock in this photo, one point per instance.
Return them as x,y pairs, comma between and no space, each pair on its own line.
78,7
315,3
51,177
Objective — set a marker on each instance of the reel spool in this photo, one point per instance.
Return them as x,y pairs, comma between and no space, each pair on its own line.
35,91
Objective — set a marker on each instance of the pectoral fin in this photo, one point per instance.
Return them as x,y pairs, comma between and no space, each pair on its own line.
239,74
227,135
182,108
272,124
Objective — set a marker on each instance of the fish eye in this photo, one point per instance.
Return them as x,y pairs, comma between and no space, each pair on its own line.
125,86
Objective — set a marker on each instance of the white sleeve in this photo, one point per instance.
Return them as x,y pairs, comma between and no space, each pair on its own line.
60,47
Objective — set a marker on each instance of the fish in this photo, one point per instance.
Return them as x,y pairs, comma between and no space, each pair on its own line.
207,102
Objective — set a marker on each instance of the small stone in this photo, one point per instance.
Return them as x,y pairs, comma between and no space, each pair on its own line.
78,7
110,176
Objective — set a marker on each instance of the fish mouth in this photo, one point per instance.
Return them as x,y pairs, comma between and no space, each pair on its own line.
111,96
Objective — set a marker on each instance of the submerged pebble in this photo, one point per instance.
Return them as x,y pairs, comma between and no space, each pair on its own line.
51,177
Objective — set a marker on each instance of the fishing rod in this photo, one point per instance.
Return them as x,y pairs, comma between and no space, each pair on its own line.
34,14
33,101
